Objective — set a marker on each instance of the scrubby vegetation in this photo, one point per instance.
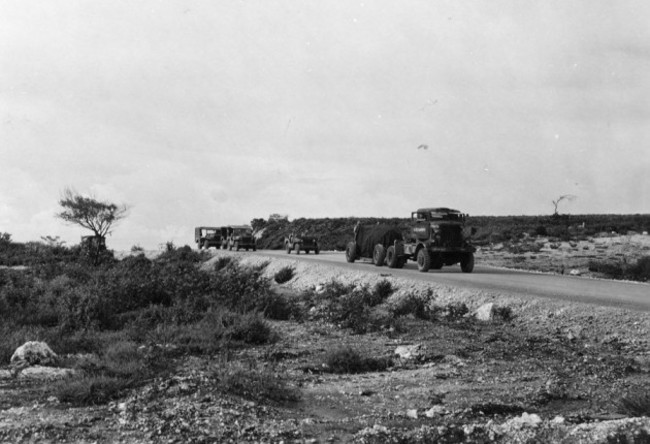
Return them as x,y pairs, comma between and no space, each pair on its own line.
133,316
637,271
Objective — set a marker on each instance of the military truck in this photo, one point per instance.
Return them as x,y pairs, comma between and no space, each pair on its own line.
373,242
241,236
206,237
437,237
303,241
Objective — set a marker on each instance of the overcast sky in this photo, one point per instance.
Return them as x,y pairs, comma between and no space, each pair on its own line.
218,112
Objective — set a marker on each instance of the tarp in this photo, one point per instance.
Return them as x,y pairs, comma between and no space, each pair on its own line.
370,235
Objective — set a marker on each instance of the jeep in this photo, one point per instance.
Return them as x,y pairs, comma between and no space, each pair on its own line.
303,242
206,237
241,236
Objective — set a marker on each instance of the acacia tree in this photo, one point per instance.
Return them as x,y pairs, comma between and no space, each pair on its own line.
90,213
560,199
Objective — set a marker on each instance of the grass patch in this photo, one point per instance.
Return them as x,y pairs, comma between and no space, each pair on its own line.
254,382
285,274
349,360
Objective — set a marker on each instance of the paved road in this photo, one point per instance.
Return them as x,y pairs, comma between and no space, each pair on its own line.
629,295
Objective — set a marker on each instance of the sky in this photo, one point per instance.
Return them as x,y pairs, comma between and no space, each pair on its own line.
196,112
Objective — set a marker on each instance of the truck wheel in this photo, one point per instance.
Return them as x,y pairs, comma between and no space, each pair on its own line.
392,260
288,247
379,255
316,251
351,252
424,260
296,248
467,263
306,251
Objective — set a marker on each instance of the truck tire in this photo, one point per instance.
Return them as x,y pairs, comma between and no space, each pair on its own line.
296,248
351,252
288,247
316,251
424,260
467,263
379,255
392,260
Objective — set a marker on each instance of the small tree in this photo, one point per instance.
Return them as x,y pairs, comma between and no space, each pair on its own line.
560,199
90,213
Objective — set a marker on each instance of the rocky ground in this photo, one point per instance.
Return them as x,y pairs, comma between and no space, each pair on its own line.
534,371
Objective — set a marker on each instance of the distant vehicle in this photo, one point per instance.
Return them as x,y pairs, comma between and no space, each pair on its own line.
372,241
206,237
436,237
304,242
241,236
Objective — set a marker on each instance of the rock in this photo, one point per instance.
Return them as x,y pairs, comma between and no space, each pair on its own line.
485,312
33,353
524,421
575,272
412,413
435,410
409,352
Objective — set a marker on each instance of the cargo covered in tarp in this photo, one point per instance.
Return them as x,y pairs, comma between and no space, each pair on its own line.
367,236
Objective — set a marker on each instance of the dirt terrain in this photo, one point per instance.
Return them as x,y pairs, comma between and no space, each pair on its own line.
533,371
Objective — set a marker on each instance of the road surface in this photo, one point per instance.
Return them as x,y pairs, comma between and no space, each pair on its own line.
630,295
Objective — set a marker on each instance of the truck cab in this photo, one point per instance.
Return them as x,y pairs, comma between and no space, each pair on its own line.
241,236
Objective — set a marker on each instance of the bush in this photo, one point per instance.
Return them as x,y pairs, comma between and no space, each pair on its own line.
348,360
635,404
285,274
89,390
383,289
250,328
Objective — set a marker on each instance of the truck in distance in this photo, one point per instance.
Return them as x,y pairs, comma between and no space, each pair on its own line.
206,237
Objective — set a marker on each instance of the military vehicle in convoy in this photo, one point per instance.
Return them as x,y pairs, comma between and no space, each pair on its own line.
373,241
435,237
206,237
241,236
438,237
303,241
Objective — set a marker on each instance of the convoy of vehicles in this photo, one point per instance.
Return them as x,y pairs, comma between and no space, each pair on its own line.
303,241
435,237
231,237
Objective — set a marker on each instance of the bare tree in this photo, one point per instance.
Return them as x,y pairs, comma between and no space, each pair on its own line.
90,213
556,202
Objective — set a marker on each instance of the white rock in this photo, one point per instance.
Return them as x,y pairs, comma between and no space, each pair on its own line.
412,413
485,312
33,353
575,272
435,410
409,352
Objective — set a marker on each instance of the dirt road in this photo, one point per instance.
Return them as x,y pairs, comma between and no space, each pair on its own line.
630,295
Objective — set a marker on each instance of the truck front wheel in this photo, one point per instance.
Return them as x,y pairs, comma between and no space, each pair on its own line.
424,260
351,252
467,263
379,255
